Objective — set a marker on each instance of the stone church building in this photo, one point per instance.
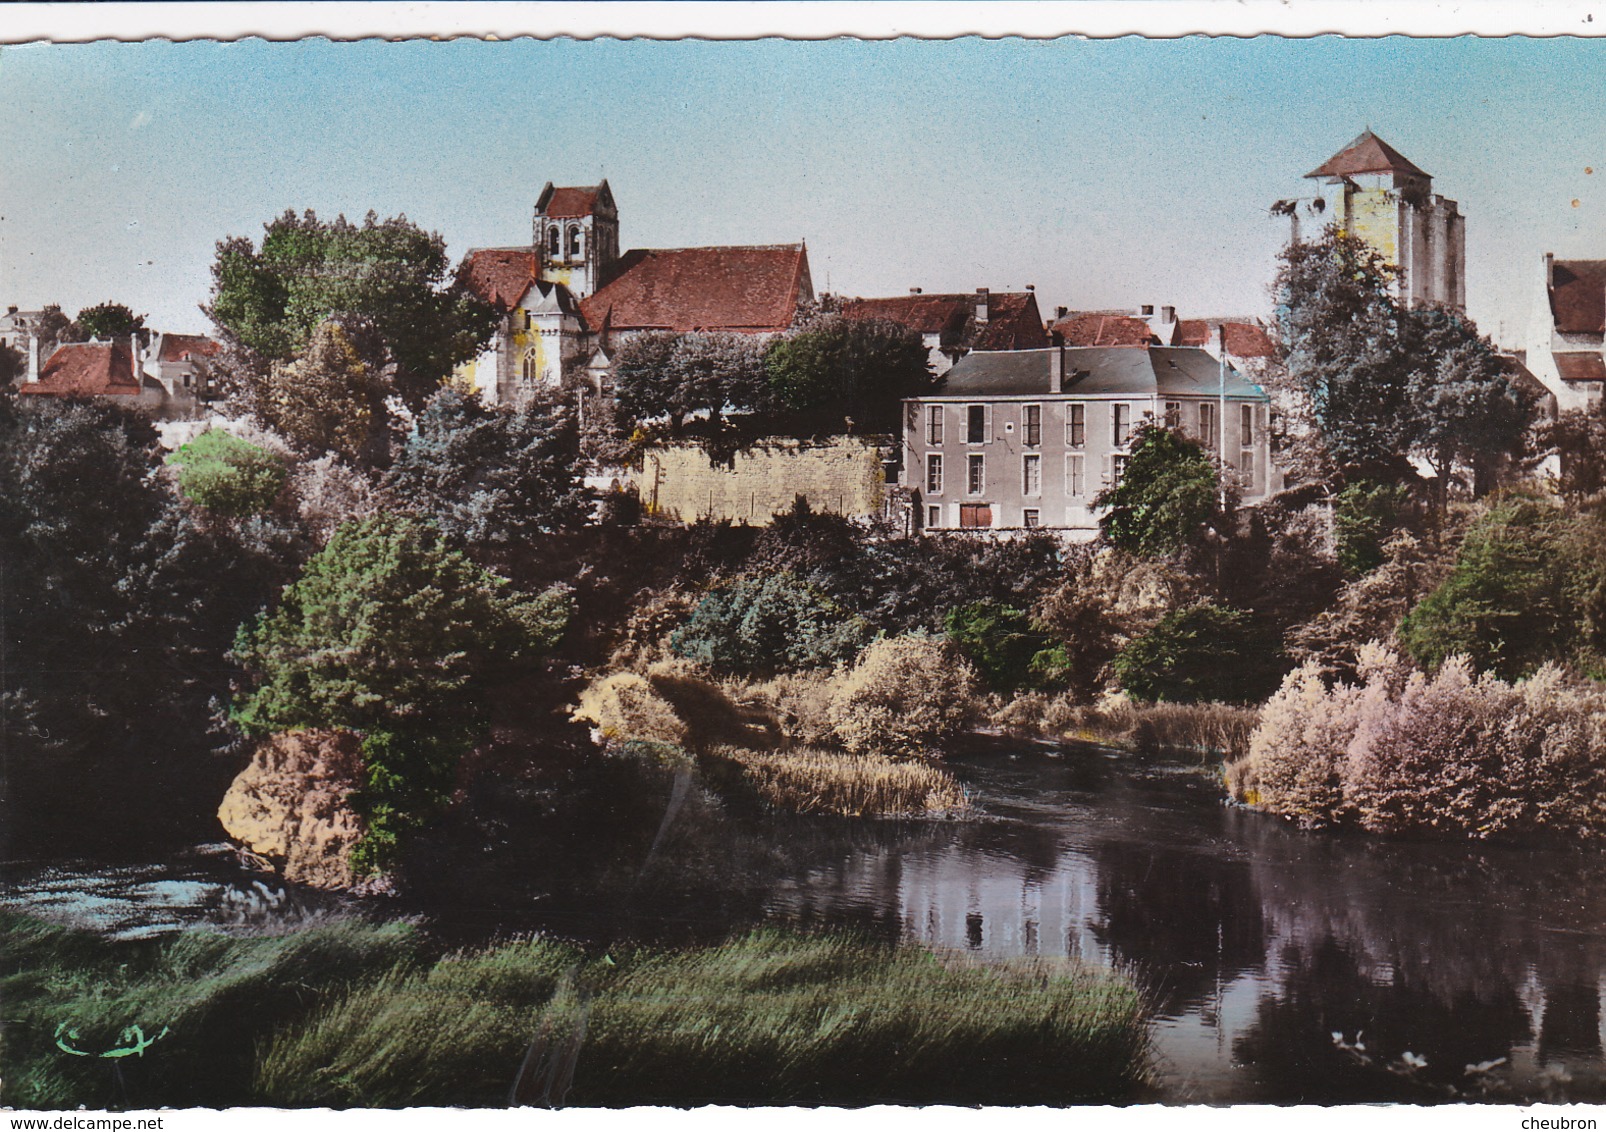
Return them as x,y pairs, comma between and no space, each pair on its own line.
569,297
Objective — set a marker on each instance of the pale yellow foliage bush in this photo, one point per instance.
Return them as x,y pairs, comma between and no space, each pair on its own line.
624,706
905,697
809,781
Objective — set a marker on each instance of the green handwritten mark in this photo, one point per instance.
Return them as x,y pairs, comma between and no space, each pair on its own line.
133,1041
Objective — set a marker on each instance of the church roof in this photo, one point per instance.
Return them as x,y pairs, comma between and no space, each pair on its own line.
1366,154
1102,328
569,203
500,276
1013,322
88,369
744,289
1578,296
1245,338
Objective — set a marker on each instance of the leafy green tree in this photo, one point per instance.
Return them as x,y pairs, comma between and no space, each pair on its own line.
1168,495
107,321
1364,517
1513,599
1200,652
684,375
228,475
53,328
493,475
1387,381
328,399
13,364
858,369
1007,649
1578,438
388,275
773,623
389,634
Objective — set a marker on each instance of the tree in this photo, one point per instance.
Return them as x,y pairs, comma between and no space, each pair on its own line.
905,697
685,375
328,399
1387,381
1200,652
230,476
492,475
389,276
760,625
13,364
1167,496
389,634
108,321
1007,649
1364,517
1578,438
836,368
52,329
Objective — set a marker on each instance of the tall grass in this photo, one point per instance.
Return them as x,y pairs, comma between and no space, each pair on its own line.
810,781
1217,729
771,1018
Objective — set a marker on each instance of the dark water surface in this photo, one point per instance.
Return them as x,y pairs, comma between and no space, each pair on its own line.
1284,966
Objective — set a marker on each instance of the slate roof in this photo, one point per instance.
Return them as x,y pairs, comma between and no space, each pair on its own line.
743,289
186,347
1102,328
1245,338
1581,367
500,276
1366,154
1013,322
1578,296
1115,371
88,369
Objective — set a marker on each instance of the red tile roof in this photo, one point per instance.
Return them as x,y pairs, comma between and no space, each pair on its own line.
184,347
1091,328
1013,322
500,276
1245,339
572,202
88,369
1366,154
1581,367
747,289
1578,296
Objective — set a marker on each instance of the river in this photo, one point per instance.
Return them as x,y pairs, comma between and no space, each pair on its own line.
1284,966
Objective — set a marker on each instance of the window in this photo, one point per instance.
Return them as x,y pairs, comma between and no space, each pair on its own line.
1246,464
531,368
934,425
1075,474
1075,426
1032,423
552,238
1246,425
1207,424
1117,468
933,474
934,516
976,424
1031,474
574,241
1173,415
1121,420
975,515
1031,518
976,475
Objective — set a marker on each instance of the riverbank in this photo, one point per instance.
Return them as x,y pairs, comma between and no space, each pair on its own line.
358,1014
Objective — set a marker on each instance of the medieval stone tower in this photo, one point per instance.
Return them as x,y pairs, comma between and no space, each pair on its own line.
1371,191
576,236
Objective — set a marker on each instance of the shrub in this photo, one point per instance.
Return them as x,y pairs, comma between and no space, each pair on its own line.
801,702
808,781
764,625
1199,652
1448,753
1363,519
228,475
906,696
624,706
1004,645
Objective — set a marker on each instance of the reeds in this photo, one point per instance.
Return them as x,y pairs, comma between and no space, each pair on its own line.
810,781
1221,730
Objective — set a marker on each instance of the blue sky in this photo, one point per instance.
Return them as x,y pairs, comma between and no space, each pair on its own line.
1106,172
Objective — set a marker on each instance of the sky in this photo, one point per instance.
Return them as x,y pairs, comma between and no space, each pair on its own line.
1107,173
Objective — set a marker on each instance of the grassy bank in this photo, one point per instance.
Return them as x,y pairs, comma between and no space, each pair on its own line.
806,780
362,1015
1221,730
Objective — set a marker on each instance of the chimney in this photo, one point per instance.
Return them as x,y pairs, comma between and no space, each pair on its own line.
1146,310
1218,339
11,310
33,357
133,359
1056,365
1168,315
914,290
1061,312
1031,287
982,304
1550,270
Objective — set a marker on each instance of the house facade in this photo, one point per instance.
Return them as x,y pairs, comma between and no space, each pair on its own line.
1566,347
1027,439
